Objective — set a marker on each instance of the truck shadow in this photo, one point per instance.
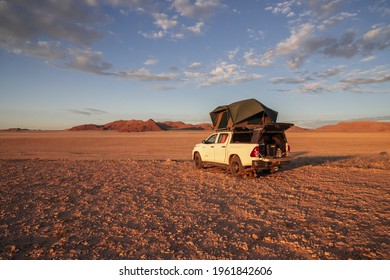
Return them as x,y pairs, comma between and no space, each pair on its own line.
301,160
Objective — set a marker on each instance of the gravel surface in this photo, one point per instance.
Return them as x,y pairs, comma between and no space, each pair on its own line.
316,208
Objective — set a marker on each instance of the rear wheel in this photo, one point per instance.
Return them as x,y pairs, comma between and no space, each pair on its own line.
198,161
235,166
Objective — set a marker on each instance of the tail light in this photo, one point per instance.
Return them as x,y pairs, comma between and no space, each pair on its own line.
255,152
288,148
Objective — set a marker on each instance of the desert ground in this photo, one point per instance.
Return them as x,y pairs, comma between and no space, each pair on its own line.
112,195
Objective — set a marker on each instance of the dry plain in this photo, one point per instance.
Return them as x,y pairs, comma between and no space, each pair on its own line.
112,195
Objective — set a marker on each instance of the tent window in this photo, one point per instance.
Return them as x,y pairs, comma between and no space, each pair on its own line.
256,119
224,120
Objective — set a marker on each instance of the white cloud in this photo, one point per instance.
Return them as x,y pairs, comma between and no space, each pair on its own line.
154,35
295,61
178,35
256,60
380,8
282,8
295,41
335,19
197,28
49,50
232,54
314,88
324,8
223,74
357,78
379,70
303,42
331,72
290,46
256,35
162,88
368,58
93,3
143,74
372,34
196,75
195,65
162,21
199,9
288,80
378,38
151,62
371,80
88,60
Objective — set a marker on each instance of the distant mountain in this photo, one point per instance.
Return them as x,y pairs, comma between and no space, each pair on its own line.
86,127
133,126
141,126
16,129
296,128
357,126
169,125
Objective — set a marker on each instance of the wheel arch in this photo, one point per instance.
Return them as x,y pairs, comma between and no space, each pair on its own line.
232,155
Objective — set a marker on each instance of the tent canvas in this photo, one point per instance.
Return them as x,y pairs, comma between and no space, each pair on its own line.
249,112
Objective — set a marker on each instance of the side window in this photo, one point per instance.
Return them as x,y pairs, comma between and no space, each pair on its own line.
222,138
211,139
242,138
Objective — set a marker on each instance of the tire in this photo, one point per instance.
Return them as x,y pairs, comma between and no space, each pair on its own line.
235,166
198,163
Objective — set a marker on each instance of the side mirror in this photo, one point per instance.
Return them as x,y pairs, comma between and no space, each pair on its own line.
203,141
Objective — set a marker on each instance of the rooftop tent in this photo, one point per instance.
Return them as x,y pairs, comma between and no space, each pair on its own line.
248,112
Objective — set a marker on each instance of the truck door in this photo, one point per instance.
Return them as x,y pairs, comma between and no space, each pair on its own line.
208,147
220,147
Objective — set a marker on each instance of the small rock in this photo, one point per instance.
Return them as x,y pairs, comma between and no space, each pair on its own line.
244,247
267,239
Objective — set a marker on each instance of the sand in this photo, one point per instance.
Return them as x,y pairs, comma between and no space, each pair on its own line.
111,195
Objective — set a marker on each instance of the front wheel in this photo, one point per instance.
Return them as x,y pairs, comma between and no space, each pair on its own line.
235,166
198,161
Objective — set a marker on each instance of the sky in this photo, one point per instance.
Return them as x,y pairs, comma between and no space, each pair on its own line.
68,62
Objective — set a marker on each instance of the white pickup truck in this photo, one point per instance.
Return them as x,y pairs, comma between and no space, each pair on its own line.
263,148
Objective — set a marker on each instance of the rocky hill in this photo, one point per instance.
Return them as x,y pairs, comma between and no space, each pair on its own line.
141,126
296,128
133,126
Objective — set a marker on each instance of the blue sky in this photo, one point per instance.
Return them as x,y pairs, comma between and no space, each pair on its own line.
64,63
